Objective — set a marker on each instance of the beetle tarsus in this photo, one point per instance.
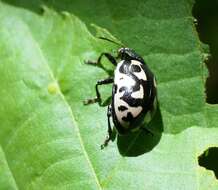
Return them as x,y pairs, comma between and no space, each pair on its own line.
108,138
89,62
91,101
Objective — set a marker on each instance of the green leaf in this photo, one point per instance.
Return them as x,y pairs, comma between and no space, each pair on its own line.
50,140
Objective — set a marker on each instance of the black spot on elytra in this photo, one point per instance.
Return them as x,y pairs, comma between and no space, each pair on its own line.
124,68
122,108
122,89
133,102
136,68
128,118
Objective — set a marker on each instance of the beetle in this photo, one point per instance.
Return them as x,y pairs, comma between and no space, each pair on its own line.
133,93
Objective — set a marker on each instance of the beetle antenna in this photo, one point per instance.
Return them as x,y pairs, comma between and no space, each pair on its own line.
103,38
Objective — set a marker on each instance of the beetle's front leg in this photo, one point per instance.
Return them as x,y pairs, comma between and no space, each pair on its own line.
98,95
98,62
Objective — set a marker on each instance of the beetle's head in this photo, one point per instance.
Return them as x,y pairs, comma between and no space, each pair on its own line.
128,54
125,53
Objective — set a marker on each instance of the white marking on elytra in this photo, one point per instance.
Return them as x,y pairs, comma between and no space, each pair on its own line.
123,80
139,93
141,74
135,111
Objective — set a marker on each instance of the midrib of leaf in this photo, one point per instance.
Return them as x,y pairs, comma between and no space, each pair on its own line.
81,142
83,149
72,116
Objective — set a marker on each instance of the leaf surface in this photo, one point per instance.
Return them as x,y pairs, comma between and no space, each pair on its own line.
49,139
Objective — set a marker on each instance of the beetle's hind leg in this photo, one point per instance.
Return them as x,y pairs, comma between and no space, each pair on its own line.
109,137
98,95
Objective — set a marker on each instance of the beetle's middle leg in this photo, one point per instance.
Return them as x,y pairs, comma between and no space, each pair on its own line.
98,95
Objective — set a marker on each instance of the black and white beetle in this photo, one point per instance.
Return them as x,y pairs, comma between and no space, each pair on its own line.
133,94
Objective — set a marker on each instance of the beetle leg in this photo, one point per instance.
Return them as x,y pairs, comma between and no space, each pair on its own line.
98,62
109,136
98,95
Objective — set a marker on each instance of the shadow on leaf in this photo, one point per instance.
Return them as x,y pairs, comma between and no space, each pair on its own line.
138,143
